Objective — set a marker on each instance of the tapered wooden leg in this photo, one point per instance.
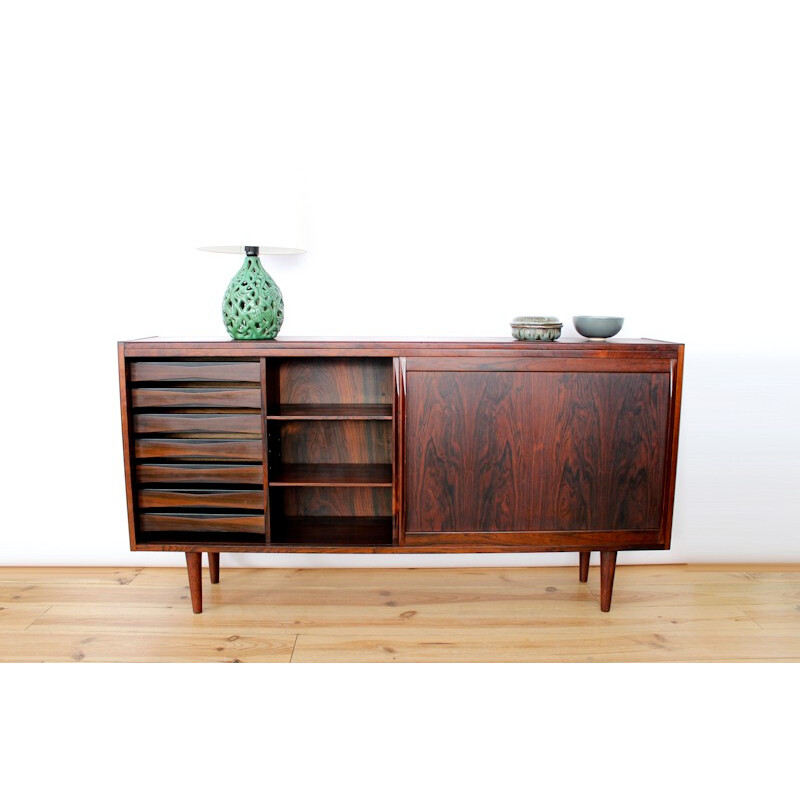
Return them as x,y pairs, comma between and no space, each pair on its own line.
213,567
195,586
584,568
608,563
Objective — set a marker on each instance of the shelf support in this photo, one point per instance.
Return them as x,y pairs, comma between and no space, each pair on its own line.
195,586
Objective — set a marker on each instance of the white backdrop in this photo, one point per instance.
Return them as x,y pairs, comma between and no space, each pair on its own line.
449,166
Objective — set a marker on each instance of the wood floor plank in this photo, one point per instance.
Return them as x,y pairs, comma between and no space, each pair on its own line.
746,566
552,646
260,593
659,613
149,648
784,615
703,594
653,575
18,616
69,575
425,577
101,593
348,617
776,576
375,577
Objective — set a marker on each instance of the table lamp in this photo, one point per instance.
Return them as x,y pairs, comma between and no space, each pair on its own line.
253,304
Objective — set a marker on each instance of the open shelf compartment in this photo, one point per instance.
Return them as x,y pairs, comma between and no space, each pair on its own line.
330,445
329,388
333,531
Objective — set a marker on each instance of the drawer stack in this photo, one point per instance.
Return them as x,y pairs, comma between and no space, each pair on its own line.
198,452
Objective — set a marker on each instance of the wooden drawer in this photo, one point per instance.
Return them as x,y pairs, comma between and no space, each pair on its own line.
223,449
200,473
205,523
152,371
201,498
197,423
197,397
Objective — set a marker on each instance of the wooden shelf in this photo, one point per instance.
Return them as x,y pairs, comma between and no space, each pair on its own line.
333,531
331,475
292,411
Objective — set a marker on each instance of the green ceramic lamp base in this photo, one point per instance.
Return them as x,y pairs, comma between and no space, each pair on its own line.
253,304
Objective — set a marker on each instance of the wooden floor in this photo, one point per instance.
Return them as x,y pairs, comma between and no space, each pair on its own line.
659,613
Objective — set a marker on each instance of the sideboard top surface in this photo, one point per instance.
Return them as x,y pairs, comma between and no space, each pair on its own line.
391,346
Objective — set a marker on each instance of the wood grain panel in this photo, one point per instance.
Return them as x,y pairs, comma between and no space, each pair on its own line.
179,370
197,423
190,397
345,531
331,475
223,449
540,539
339,442
296,347
152,522
398,460
604,451
201,498
470,445
326,501
336,380
329,411
536,364
199,473
126,406
535,451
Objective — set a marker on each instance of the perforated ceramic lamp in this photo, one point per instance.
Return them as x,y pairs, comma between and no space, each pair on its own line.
253,304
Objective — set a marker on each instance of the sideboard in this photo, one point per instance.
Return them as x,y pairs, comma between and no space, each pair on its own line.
314,445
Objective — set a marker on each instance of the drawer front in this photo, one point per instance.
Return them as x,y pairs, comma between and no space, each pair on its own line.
196,397
197,423
216,449
200,473
153,371
202,498
153,522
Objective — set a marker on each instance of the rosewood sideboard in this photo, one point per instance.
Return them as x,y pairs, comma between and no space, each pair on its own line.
312,445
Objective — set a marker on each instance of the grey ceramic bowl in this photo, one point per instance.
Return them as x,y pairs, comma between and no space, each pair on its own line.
598,327
536,329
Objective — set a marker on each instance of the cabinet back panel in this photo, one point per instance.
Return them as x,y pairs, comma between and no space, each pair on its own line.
336,442
326,501
493,451
336,380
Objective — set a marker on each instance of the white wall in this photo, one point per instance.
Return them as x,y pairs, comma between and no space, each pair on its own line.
454,165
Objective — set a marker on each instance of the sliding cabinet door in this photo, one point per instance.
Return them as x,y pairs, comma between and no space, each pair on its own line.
536,448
